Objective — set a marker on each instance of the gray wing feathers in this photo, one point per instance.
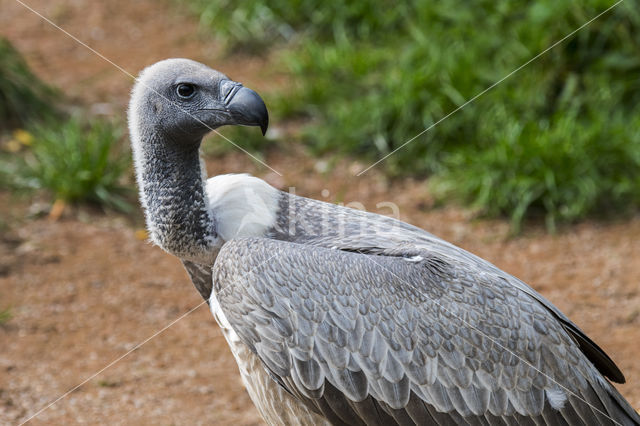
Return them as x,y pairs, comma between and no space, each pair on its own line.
306,221
416,341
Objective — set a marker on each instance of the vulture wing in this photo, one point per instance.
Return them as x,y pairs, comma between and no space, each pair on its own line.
393,338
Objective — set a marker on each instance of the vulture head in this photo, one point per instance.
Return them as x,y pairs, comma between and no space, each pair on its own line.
183,100
174,103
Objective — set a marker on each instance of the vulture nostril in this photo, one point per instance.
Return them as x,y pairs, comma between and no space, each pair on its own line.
228,88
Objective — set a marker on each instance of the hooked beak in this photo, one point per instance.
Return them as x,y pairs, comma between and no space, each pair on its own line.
246,107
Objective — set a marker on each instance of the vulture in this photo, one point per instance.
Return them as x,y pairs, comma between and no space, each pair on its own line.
341,317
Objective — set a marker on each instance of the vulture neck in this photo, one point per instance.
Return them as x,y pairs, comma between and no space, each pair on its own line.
171,181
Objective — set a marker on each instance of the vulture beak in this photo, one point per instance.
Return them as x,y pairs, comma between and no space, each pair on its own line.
244,105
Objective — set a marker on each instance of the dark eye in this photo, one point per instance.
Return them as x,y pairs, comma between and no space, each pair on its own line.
185,90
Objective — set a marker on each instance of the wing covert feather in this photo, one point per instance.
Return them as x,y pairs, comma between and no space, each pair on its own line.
348,330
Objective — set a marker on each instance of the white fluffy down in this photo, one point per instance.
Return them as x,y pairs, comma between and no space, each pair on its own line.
222,320
243,205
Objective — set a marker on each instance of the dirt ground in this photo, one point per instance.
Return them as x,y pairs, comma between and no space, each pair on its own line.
85,289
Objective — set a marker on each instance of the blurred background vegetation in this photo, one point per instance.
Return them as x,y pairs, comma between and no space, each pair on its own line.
23,98
560,139
74,157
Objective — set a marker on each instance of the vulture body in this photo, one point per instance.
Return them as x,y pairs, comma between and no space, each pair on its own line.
338,316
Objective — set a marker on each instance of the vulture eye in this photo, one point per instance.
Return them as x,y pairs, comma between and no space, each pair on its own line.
185,90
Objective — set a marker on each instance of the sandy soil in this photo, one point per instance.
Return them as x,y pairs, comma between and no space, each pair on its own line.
85,290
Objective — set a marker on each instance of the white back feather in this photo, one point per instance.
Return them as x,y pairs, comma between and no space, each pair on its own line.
243,205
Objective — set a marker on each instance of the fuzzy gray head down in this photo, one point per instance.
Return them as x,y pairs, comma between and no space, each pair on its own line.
174,103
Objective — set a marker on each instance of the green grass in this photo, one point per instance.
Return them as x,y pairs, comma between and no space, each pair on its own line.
254,26
5,316
562,170
108,383
23,97
555,139
77,161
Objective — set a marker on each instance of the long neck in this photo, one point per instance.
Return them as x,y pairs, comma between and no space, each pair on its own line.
171,182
